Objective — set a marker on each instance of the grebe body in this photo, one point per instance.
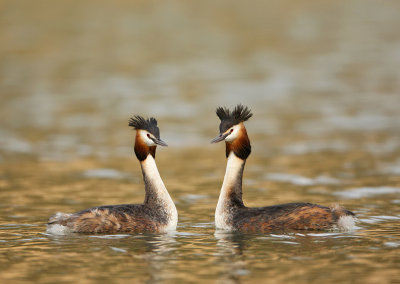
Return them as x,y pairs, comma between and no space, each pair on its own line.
158,212
231,213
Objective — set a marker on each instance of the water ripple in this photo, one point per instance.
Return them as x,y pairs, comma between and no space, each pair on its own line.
301,180
362,192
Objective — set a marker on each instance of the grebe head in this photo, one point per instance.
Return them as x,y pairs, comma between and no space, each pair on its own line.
232,130
147,136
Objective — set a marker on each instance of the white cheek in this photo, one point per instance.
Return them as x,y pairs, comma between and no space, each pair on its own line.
146,139
233,135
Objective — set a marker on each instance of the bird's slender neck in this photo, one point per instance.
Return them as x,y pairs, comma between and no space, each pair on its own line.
156,192
231,191
230,197
157,198
237,152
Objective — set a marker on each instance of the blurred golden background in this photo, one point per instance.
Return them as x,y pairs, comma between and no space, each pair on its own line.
322,79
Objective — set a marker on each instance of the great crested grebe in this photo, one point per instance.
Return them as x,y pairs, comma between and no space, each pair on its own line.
157,213
232,214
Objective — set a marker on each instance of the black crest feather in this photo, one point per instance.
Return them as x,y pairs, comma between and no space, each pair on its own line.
228,119
150,124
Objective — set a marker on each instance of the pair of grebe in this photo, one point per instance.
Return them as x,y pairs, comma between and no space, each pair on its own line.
158,212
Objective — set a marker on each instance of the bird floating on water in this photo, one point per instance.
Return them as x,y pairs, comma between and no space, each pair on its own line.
231,214
158,212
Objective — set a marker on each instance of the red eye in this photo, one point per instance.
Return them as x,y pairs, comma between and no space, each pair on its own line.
231,130
148,135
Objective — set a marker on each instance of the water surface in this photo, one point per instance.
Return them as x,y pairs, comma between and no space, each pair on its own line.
322,80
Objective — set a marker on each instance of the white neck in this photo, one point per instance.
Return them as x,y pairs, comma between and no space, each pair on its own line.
157,195
230,196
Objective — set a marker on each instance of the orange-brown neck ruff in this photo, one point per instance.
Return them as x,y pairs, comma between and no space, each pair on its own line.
240,146
142,150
